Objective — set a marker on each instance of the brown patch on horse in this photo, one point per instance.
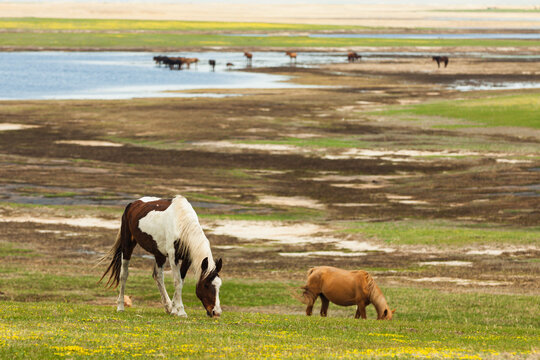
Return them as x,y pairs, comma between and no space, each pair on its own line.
204,289
344,288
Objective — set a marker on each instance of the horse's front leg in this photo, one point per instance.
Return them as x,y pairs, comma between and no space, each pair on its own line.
158,276
179,273
360,311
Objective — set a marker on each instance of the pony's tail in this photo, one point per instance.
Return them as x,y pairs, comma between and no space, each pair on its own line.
115,254
306,296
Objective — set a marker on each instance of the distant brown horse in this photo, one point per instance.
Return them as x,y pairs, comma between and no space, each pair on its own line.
189,61
352,56
249,57
229,65
292,56
440,59
344,288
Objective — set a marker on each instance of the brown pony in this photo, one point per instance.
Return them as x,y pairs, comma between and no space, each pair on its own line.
344,288
249,57
292,55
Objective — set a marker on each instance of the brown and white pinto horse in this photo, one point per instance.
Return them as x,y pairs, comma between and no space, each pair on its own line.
344,288
166,228
440,59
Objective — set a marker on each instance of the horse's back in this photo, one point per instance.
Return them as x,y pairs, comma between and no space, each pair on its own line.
338,285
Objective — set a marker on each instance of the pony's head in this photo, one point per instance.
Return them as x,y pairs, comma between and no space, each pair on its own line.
387,314
208,288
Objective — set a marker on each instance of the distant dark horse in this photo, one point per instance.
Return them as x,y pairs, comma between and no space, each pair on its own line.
440,59
229,65
167,229
159,59
352,56
212,63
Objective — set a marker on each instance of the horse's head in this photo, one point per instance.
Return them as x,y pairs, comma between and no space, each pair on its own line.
387,314
208,288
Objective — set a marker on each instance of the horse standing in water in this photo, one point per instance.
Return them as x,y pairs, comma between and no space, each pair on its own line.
166,228
292,56
212,64
345,288
249,57
353,56
440,59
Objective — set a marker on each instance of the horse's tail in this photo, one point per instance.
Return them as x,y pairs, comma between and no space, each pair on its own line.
304,298
115,254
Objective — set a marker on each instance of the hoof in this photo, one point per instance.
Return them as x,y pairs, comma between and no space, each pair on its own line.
119,309
179,313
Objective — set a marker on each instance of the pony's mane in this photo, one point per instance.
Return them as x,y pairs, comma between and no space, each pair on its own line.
191,235
370,283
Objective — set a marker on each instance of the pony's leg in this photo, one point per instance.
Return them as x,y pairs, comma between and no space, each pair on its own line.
124,272
324,306
177,304
360,311
158,276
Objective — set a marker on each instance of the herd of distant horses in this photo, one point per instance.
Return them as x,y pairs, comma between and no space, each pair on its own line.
169,229
176,63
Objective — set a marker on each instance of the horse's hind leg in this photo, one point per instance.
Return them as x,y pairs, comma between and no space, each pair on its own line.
324,306
127,250
158,276
124,272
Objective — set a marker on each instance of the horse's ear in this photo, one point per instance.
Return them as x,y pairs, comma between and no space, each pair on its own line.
393,311
204,264
219,263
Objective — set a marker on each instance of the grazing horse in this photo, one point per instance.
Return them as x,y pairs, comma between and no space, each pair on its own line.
249,57
229,65
212,64
292,55
166,228
344,288
353,56
440,59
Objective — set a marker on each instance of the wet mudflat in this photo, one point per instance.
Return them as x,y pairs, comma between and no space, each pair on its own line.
285,179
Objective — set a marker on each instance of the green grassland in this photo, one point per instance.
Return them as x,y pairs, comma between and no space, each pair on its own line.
444,233
427,324
46,24
509,110
118,41
120,34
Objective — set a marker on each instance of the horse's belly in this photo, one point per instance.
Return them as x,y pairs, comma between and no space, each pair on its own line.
342,298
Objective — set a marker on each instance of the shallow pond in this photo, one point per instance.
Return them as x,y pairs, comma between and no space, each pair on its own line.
126,75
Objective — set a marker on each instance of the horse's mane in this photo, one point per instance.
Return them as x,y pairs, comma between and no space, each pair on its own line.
192,239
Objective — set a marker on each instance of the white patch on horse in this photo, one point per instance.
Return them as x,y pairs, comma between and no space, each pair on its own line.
179,222
149,198
217,284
